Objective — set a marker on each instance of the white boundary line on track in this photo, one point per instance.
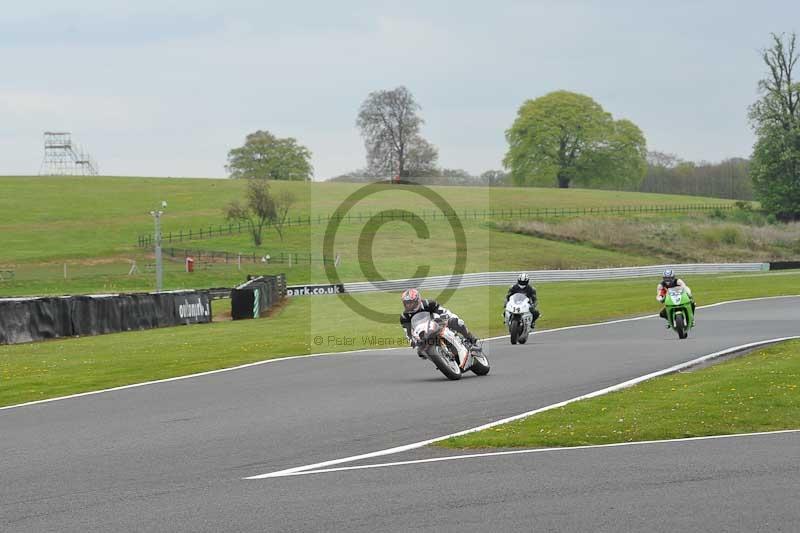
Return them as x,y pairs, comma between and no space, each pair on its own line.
187,376
612,388
371,350
538,450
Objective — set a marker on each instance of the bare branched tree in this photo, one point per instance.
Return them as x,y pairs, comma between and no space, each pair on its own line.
662,159
421,158
283,202
261,209
780,104
390,126
775,117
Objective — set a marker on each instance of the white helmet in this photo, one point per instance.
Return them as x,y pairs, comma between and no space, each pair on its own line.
523,279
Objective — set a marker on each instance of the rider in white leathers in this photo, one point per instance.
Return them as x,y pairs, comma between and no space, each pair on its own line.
413,304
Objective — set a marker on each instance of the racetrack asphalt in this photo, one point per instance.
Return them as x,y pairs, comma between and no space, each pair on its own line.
172,456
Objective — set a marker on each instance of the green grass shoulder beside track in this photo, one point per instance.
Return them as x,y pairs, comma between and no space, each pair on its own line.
752,393
322,324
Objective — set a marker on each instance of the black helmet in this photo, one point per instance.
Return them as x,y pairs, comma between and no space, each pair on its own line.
522,279
669,278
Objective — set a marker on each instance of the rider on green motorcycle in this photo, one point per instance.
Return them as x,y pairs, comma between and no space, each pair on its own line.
668,281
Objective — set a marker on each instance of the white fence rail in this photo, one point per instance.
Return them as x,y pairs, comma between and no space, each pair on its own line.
538,276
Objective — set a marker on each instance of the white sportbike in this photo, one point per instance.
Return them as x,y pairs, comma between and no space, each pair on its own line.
444,347
519,318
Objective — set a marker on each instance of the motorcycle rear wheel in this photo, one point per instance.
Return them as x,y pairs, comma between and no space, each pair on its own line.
480,364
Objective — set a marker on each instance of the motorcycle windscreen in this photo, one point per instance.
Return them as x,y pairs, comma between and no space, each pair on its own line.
518,299
676,295
420,322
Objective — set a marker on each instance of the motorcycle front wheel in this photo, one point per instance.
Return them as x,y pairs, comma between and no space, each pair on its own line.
680,326
514,329
445,363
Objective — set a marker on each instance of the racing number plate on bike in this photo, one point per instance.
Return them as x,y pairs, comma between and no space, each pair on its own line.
676,295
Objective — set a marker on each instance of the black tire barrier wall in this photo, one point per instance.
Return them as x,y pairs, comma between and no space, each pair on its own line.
268,290
35,319
784,265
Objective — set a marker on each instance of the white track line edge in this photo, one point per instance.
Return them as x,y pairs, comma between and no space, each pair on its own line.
540,450
351,352
612,388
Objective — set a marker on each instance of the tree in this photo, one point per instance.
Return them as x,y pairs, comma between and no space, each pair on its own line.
565,138
494,178
667,173
261,209
775,118
265,156
390,127
662,159
283,202
421,158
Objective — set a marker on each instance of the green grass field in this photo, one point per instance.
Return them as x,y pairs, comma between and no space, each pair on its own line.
322,324
91,224
64,217
756,392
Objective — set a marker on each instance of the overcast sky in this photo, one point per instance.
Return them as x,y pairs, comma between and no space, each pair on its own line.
165,88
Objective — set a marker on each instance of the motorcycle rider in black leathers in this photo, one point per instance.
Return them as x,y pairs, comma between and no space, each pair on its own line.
413,304
524,286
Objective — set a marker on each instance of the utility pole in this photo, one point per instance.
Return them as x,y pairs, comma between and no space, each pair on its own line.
157,240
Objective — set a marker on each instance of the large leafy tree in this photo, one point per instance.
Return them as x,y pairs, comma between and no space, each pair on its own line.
390,125
265,156
564,139
775,117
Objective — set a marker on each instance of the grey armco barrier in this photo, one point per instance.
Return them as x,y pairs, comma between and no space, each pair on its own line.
537,276
35,319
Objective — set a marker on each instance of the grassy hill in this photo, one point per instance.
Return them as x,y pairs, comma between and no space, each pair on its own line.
92,224
58,217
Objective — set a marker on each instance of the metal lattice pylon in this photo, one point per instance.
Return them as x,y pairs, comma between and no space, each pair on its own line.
62,157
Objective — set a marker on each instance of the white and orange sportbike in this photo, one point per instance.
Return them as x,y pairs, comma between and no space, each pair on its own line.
445,348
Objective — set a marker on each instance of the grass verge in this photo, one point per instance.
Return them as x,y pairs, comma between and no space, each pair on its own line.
703,238
756,392
322,324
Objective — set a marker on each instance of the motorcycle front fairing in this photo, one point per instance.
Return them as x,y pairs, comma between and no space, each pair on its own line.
426,330
677,298
519,304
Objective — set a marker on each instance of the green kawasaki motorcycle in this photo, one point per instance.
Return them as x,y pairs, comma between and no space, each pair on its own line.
678,304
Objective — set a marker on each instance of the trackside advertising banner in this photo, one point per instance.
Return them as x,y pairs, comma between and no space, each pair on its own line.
193,309
35,319
314,290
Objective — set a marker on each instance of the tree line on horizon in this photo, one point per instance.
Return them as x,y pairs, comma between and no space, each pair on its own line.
565,139
665,174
